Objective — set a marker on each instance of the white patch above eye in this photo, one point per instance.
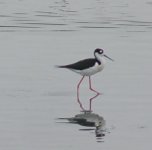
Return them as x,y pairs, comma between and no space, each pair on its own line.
101,51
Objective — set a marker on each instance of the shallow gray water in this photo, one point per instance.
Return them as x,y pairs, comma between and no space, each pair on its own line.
37,35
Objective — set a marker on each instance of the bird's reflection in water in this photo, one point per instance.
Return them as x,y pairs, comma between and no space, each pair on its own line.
92,122
89,119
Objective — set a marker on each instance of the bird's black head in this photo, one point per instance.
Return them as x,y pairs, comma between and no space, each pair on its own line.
98,51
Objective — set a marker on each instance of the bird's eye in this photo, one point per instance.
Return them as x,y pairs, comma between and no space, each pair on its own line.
101,51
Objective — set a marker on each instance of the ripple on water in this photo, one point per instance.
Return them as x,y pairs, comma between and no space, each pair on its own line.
67,16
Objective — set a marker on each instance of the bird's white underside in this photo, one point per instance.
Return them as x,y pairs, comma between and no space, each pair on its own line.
90,71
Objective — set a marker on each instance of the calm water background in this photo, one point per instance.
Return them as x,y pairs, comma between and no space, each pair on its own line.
35,35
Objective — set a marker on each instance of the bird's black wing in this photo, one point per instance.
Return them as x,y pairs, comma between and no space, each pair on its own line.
80,65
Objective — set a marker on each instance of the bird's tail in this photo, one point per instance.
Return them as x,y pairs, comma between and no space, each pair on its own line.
57,66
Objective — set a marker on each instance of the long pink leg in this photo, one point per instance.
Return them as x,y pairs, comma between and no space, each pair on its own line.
91,87
78,93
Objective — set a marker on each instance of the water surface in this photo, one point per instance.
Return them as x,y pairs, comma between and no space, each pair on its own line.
37,35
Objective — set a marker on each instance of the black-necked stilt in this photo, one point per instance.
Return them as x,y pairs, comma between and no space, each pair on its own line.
88,67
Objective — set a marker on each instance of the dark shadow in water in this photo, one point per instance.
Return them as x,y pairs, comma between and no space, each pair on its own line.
92,122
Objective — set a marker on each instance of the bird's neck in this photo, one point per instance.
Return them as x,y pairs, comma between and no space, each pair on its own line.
99,62
100,59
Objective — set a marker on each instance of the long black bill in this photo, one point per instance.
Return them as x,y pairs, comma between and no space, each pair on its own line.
108,57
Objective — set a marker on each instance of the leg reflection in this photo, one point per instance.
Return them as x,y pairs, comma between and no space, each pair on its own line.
91,99
90,102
